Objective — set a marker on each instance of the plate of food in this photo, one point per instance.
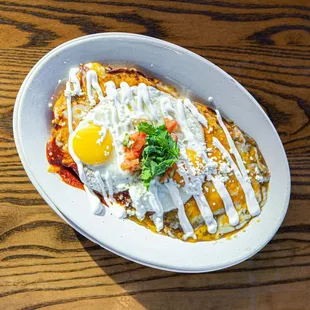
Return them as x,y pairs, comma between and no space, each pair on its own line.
152,152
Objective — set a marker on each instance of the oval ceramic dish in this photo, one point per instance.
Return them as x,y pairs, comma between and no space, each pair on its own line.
197,78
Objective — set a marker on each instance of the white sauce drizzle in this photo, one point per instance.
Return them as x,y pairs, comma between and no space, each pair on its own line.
206,212
252,202
201,119
157,207
247,188
232,146
143,96
103,191
115,112
231,212
184,222
117,210
185,168
120,108
181,119
92,83
93,199
75,81
69,93
166,107
193,184
136,200
95,202
127,96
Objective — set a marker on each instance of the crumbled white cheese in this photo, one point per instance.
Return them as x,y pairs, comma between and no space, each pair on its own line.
261,179
224,168
131,212
100,140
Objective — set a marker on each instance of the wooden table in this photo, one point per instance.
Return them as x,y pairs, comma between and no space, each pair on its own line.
263,44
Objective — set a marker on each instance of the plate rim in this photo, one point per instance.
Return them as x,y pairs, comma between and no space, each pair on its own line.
32,178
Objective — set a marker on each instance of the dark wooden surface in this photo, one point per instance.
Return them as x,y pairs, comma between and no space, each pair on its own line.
265,45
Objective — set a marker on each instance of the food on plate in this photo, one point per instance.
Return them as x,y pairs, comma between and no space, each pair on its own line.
143,152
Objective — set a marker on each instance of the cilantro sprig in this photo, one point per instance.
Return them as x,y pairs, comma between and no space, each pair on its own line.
160,152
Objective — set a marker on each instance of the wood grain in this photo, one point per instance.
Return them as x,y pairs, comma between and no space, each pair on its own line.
263,44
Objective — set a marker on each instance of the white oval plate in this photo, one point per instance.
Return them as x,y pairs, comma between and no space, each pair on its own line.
194,75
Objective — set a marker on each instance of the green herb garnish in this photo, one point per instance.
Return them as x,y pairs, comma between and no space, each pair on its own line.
126,140
160,152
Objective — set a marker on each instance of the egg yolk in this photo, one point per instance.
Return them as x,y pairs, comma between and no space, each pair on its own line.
90,147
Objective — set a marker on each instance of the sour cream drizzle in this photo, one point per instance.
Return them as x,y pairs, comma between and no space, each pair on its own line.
143,106
75,81
95,202
143,96
117,210
231,212
252,202
193,184
201,119
69,93
93,199
116,120
184,222
231,143
157,207
92,83
190,178
246,186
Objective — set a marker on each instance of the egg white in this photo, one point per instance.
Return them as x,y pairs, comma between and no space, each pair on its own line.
123,180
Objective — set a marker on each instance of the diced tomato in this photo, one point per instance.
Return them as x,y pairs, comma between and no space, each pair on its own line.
126,149
138,145
131,154
139,139
174,137
137,135
131,165
171,125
